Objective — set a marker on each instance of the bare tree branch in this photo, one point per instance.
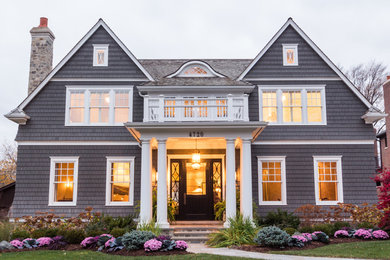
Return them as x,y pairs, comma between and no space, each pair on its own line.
8,163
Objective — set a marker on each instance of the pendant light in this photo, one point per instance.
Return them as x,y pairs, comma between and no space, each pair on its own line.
196,157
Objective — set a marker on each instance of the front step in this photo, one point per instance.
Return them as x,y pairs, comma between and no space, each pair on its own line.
194,232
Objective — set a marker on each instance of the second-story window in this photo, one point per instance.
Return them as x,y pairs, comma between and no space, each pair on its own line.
98,106
292,105
100,55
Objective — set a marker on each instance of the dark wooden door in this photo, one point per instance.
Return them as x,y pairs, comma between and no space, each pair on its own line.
196,200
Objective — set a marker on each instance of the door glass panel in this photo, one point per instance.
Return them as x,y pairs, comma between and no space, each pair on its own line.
217,182
196,179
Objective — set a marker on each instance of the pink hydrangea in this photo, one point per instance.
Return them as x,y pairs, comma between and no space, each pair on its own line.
44,241
363,233
341,233
108,242
307,236
17,243
301,238
380,234
152,245
181,245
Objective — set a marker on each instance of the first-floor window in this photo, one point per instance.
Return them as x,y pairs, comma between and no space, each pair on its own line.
328,180
63,181
120,181
272,180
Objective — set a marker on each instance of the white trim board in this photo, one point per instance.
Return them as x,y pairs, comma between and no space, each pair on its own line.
195,62
315,48
314,142
74,50
97,79
294,79
75,143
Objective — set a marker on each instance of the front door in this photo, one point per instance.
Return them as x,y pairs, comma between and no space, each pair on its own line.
198,188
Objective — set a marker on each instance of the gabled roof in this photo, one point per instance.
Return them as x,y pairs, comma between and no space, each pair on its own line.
73,51
291,23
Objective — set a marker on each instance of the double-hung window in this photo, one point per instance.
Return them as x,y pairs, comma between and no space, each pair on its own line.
292,104
328,180
63,181
98,105
120,181
272,180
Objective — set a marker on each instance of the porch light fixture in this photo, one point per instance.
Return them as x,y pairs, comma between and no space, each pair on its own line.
196,157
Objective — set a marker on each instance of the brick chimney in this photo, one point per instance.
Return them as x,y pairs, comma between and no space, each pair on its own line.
41,58
386,98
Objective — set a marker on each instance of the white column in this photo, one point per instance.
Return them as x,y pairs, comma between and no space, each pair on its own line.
162,218
246,179
230,181
145,215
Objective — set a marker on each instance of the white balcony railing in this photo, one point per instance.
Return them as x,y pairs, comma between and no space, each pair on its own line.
217,108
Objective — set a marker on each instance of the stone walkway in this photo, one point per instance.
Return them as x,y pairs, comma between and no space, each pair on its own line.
201,248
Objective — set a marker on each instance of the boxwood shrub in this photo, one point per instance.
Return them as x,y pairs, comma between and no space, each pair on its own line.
272,236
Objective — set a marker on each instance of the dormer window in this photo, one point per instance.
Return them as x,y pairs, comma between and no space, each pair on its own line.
290,54
195,69
100,55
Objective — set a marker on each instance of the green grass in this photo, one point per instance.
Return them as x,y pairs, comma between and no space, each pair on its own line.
86,254
368,250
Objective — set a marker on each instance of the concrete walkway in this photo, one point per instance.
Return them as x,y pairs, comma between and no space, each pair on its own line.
201,248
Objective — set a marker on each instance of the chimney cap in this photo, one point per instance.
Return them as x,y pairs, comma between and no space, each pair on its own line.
43,22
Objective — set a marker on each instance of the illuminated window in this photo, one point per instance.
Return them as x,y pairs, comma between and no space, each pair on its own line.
196,108
221,105
169,107
290,55
100,55
76,108
328,180
292,106
99,105
314,108
120,178
196,179
121,106
272,180
269,106
63,181
195,71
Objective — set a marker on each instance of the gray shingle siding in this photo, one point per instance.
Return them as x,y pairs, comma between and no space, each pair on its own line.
47,112
33,171
358,164
271,63
119,63
344,110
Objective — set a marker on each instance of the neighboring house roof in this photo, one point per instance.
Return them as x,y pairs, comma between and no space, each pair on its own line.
7,186
291,23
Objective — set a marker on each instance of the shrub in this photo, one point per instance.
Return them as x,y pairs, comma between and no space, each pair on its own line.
341,233
320,236
240,231
306,229
74,236
272,236
20,233
58,243
280,218
380,234
328,229
5,231
219,210
363,234
136,239
44,241
152,226
51,232
181,245
365,225
38,233
290,230
96,229
117,232
364,213
340,225
384,198
152,245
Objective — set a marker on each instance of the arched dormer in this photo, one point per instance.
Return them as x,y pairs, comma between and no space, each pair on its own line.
195,69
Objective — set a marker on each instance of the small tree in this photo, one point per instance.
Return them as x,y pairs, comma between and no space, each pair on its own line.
384,197
8,164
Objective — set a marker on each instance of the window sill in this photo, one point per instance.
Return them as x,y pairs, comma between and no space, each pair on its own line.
119,204
55,204
272,203
295,124
328,203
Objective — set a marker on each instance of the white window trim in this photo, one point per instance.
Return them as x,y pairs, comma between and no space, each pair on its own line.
87,90
303,89
290,46
282,160
111,159
340,194
97,47
53,161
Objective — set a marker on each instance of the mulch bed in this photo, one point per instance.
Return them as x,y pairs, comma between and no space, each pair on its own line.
312,245
123,252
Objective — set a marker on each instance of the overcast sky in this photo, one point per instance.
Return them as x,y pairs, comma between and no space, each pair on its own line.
349,32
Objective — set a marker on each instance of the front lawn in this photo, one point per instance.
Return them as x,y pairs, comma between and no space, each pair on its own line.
86,255
369,250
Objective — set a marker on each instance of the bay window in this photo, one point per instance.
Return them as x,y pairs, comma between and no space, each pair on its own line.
272,180
292,105
120,181
98,105
328,180
63,181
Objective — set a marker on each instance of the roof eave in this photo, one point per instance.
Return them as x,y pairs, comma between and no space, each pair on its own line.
244,89
371,117
18,116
